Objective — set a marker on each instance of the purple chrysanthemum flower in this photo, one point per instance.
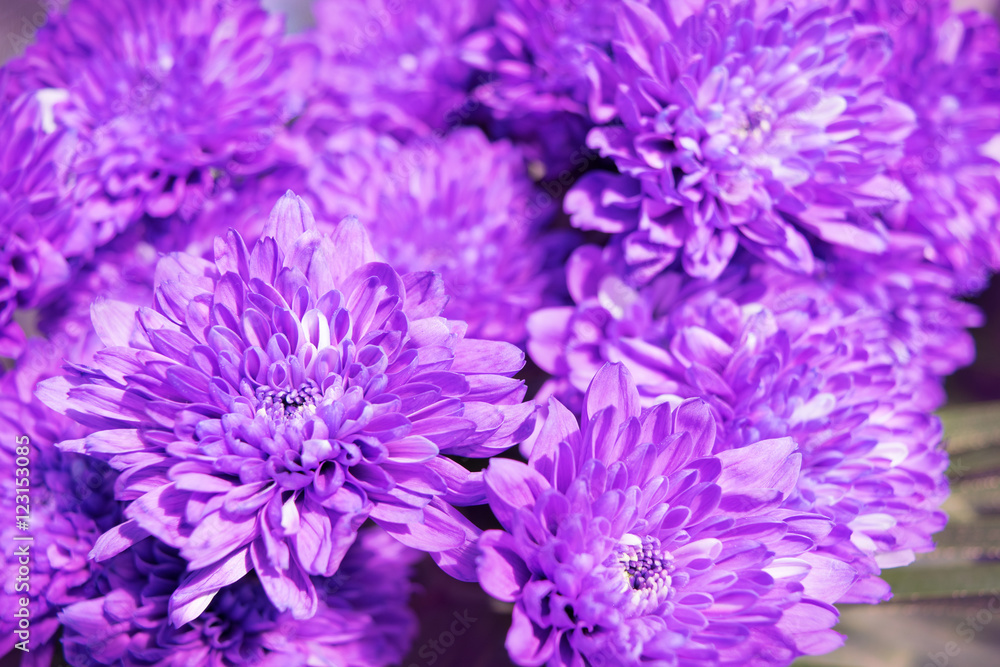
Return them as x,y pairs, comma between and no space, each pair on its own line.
627,541
849,372
362,618
271,401
906,307
39,233
70,502
741,126
395,66
462,207
946,66
162,97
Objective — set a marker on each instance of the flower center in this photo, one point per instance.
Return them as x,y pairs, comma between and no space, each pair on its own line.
758,119
647,567
753,124
282,404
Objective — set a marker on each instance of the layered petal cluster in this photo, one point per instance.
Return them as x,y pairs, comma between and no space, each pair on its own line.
70,502
362,619
627,541
162,97
272,400
906,306
394,66
946,67
848,374
40,236
873,460
462,207
762,127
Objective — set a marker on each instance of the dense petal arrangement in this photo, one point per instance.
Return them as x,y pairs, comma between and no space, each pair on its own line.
162,97
946,67
39,234
465,189
70,502
627,541
872,454
778,356
273,400
733,129
905,307
362,618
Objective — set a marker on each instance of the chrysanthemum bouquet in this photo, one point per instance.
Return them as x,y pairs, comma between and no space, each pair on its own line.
635,313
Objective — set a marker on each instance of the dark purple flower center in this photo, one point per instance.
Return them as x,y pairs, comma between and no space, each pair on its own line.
283,404
647,566
758,123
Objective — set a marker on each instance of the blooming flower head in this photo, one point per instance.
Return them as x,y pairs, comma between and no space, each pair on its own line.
362,619
39,234
945,67
846,371
272,400
627,541
761,127
162,96
461,206
395,66
873,460
70,501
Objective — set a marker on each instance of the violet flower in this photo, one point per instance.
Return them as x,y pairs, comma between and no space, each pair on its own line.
362,618
41,238
761,127
627,541
271,401
396,67
535,53
848,371
163,96
536,80
945,67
